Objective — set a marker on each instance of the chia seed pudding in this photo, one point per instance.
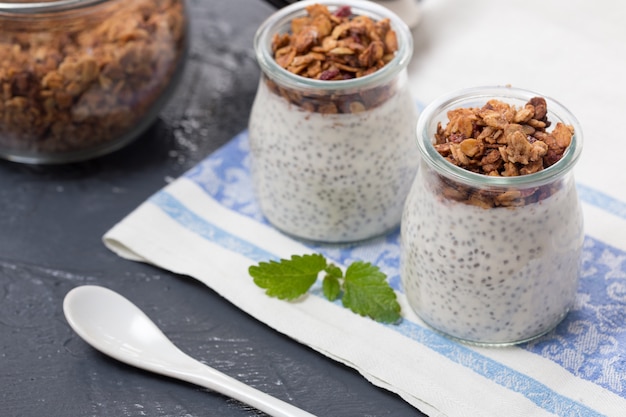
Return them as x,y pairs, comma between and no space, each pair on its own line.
492,274
335,177
503,276
333,161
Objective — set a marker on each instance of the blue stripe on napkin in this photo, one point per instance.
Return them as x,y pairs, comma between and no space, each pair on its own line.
601,200
535,391
209,231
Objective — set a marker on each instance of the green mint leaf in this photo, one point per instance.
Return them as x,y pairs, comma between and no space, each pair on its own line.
363,289
334,271
366,292
331,287
288,279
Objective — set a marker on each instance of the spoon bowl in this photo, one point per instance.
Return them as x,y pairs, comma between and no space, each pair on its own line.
116,327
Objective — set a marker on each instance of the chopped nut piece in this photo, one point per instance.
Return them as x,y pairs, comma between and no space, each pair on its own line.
285,56
532,167
328,108
563,135
470,147
494,119
307,59
391,41
492,162
341,50
538,150
537,124
372,54
458,154
510,170
525,114
508,198
356,107
518,149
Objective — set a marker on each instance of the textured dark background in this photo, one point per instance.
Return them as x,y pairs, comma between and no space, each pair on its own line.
51,223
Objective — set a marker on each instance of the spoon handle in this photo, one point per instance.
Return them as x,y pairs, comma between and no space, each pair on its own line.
195,372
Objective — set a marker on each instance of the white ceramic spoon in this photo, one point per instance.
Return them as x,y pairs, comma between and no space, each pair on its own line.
118,328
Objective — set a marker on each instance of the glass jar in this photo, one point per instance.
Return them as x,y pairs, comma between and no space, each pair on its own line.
81,78
484,273
333,161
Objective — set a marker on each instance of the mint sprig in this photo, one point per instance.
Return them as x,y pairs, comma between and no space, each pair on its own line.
363,289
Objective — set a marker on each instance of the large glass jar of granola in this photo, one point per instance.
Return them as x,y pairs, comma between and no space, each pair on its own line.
492,231
82,78
332,126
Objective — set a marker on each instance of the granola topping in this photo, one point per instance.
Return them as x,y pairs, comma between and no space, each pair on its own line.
330,46
500,139
88,80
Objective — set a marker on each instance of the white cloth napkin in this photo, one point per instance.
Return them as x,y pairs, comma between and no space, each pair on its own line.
207,225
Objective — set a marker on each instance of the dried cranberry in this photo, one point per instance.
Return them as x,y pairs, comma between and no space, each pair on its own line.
329,74
551,157
343,11
457,137
476,130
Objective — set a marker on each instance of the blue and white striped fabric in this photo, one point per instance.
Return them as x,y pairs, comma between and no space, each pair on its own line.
207,225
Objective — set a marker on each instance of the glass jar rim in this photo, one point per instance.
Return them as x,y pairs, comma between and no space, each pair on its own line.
452,100
263,38
21,8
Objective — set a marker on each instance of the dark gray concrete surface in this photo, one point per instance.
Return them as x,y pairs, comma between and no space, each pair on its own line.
51,223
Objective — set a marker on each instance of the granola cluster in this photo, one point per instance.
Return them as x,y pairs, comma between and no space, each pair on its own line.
330,46
500,139
88,80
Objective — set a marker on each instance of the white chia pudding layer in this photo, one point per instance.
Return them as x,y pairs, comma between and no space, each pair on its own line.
332,177
492,276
